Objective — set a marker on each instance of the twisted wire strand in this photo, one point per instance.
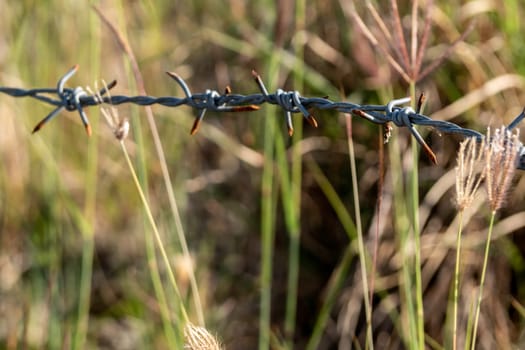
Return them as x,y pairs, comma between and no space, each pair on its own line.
75,99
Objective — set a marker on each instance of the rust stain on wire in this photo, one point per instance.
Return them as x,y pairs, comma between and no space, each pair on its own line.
393,113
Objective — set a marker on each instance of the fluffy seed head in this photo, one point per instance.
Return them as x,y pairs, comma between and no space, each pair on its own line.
501,156
469,171
198,338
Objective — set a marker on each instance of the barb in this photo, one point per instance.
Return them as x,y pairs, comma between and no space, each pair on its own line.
290,101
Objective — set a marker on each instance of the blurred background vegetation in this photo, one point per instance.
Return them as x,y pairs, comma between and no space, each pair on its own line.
73,265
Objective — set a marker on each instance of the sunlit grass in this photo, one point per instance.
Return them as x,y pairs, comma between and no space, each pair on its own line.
271,245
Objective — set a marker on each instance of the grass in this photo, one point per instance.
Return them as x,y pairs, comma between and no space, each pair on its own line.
263,239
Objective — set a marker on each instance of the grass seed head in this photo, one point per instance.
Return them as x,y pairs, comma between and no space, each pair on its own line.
403,48
501,156
469,171
198,338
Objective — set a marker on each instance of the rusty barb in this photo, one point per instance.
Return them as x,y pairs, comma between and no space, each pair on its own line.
393,113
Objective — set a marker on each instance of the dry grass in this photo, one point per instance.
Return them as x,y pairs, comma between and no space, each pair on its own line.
45,184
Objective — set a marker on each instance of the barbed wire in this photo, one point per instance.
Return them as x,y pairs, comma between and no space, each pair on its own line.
393,113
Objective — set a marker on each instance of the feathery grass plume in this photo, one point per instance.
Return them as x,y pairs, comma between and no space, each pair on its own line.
198,338
501,158
469,171
404,55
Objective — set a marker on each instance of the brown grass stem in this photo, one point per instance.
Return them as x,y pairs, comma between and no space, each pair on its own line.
156,232
162,161
360,241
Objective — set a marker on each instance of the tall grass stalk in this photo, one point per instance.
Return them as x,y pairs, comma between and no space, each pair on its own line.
469,175
456,284
174,336
470,324
291,209
163,165
274,151
171,276
402,228
360,241
88,231
414,195
293,214
406,58
88,247
482,281
268,207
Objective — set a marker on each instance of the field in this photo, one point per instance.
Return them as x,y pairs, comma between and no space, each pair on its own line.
329,238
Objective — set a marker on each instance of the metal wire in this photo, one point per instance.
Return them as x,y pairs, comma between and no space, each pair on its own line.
290,101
